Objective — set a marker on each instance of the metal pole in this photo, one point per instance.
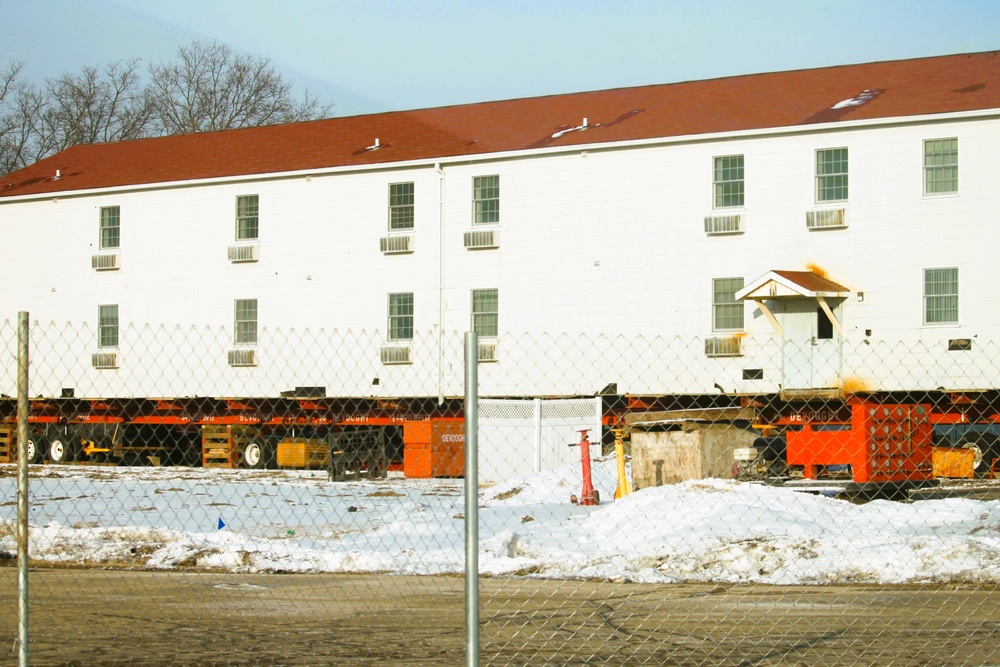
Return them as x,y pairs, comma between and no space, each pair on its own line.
471,499
22,487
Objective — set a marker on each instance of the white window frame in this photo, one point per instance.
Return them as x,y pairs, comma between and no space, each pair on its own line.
486,200
109,228
728,306
107,327
935,300
722,181
485,310
401,206
933,172
400,316
824,178
245,314
247,223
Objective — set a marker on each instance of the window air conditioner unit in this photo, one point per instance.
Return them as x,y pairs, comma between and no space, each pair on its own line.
479,239
723,347
395,355
393,245
104,359
106,261
835,218
239,358
244,253
487,352
723,224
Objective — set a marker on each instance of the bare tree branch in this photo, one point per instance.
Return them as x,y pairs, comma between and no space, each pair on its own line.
96,106
21,106
208,87
212,88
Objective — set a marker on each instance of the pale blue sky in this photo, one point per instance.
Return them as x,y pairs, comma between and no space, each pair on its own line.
378,55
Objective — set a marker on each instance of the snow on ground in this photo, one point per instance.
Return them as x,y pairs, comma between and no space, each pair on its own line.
297,521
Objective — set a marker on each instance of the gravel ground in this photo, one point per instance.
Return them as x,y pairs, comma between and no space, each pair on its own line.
113,617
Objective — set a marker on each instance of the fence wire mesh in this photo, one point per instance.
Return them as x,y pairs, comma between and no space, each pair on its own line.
644,500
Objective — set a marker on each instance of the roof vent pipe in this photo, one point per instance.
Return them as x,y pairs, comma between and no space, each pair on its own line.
578,128
57,176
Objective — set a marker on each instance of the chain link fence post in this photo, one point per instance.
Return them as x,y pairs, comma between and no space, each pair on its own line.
22,487
471,499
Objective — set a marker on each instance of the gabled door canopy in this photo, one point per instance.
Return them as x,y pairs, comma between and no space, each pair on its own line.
794,285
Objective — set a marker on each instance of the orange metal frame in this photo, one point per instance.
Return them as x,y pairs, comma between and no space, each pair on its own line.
885,443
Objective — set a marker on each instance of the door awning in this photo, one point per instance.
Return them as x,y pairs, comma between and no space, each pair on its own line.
792,284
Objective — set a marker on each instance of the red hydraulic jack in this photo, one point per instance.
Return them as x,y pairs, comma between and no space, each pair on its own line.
589,495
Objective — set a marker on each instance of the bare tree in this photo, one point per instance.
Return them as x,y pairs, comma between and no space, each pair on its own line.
16,127
8,77
23,148
96,106
208,88
213,88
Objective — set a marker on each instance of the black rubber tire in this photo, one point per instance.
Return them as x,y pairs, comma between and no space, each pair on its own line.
62,449
191,455
988,446
258,454
37,448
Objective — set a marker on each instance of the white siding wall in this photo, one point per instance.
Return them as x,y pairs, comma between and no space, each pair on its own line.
599,243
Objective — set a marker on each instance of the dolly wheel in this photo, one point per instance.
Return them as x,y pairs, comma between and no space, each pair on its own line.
60,450
257,454
36,450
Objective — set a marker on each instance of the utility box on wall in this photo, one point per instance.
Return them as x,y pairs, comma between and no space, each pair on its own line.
434,448
688,450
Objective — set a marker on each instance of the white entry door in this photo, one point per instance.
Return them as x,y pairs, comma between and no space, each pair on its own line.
811,349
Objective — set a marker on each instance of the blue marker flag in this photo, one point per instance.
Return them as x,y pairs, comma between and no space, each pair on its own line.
222,524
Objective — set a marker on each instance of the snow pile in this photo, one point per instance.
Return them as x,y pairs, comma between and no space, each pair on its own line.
296,521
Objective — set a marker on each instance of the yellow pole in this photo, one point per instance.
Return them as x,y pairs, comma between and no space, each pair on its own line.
624,486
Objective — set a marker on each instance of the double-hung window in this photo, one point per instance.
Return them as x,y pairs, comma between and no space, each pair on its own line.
940,166
401,316
245,322
941,296
727,311
831,175
485,312
247,223
107,327
400,206
727,181
110,235
486,199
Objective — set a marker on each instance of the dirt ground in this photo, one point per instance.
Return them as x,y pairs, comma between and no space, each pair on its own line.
100,617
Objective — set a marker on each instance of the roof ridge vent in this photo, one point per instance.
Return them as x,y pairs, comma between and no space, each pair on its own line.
866,95
579,128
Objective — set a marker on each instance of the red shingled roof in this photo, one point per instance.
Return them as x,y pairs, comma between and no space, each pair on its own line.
811,282
965,82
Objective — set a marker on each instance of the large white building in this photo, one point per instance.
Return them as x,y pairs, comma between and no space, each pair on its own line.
813,231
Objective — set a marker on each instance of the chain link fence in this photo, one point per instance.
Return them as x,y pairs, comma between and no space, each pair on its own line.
643,500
